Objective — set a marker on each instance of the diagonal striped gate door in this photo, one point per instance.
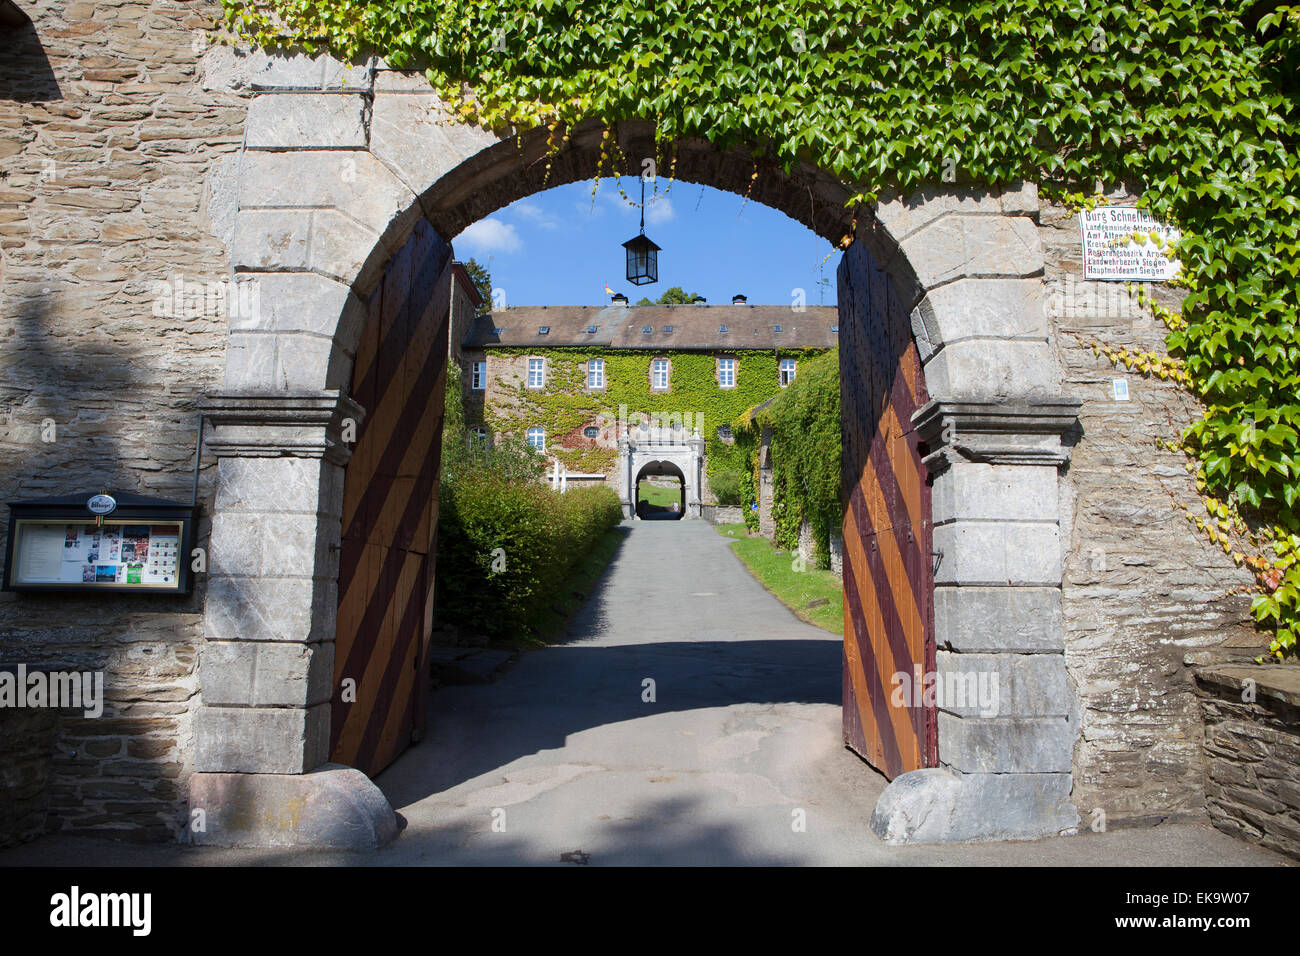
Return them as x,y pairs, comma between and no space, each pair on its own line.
390,510
888,570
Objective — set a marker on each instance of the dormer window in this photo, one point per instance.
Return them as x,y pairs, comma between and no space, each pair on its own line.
668,328
647,329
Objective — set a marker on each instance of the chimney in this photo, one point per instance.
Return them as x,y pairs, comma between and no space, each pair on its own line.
699,300
738,300
618,299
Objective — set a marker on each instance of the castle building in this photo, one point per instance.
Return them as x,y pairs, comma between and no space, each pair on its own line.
623,393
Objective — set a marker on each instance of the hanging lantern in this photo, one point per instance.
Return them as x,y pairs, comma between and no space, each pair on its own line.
642,260
642,254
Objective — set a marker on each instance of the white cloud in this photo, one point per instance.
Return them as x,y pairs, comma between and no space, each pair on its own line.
536,215
490,235
660,209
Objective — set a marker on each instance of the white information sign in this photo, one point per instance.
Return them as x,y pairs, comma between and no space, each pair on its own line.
1112,251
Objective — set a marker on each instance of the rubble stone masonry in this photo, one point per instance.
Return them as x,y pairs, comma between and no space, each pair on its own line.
1143,593
107,137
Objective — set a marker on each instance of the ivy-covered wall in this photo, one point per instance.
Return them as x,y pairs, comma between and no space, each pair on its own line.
805,434
1189,103
564,406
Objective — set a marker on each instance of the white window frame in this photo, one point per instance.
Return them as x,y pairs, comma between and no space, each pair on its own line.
657,366
786,365
478,436
540,368
596,373
541,435
478,376
726,366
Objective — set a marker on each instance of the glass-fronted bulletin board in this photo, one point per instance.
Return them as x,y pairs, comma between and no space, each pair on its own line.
99,542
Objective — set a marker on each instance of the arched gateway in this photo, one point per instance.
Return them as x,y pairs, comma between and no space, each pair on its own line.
346,190
674,458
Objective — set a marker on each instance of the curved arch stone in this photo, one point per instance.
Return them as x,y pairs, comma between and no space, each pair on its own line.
340,163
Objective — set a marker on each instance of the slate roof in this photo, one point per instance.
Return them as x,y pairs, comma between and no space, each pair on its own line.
671,327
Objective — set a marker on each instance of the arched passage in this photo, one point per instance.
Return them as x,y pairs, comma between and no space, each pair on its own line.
660,469
953,272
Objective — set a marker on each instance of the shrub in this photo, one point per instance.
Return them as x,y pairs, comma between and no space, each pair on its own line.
726,487
505,546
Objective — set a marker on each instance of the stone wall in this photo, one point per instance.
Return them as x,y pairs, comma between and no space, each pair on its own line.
808,547
725,514
1252,747
107,136
26,746
1143,594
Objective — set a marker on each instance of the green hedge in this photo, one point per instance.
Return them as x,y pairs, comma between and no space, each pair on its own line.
542,535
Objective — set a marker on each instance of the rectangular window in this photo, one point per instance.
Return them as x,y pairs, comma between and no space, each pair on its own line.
534,373
537,438
787,372
727,373
478,376
596,373
660,377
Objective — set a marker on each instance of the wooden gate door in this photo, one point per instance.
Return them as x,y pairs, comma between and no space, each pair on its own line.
888,570
390,510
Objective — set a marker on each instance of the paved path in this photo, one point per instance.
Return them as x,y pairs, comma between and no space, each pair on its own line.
743,733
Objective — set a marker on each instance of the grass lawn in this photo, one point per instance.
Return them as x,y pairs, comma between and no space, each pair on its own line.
795,589
660,497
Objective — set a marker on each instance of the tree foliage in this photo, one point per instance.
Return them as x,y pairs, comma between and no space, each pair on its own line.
482,280
674,296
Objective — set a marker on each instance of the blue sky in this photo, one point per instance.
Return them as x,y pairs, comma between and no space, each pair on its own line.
556,248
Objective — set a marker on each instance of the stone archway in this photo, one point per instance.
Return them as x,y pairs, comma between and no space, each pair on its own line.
660,468
338,166
685,457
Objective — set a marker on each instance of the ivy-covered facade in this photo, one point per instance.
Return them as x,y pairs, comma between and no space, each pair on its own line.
581,382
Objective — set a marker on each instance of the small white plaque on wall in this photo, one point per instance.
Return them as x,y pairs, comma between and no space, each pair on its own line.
1112,251
1120,388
